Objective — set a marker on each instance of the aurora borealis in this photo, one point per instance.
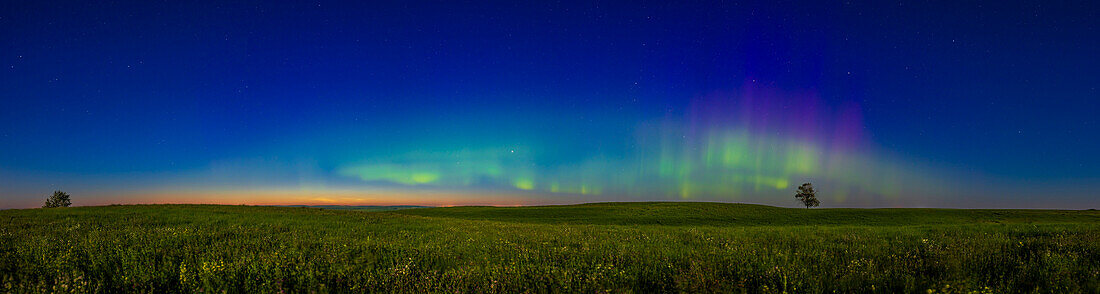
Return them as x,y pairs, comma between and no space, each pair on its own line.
425,103
729,146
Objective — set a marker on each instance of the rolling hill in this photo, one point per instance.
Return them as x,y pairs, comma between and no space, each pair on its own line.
600,247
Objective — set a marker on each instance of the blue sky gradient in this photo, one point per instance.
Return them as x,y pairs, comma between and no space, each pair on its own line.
942,104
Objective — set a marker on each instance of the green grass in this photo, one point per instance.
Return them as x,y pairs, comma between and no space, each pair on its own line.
603,247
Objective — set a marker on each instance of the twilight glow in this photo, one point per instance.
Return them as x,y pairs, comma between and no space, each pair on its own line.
484,104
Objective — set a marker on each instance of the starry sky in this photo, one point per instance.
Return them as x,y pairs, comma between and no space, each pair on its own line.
877,103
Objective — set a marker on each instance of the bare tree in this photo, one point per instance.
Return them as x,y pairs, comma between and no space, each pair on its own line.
807,195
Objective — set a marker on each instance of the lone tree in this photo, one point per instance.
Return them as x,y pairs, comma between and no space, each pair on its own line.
58,199
807,195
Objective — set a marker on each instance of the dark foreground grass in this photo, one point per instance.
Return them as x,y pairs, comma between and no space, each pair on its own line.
621,247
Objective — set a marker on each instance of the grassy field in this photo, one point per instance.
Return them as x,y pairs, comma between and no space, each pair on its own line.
604,247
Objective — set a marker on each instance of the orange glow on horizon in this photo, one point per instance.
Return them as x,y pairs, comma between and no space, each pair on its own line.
323,197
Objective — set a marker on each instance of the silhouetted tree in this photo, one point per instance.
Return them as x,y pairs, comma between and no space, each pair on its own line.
807,195
58,199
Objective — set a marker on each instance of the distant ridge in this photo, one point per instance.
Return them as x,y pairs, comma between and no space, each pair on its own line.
358,207
737,214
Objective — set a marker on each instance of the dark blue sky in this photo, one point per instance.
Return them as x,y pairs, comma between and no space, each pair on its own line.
980,99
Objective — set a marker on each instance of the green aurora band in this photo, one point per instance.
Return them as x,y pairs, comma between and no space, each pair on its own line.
725,152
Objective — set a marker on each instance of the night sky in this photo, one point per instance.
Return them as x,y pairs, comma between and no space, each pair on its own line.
877,103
